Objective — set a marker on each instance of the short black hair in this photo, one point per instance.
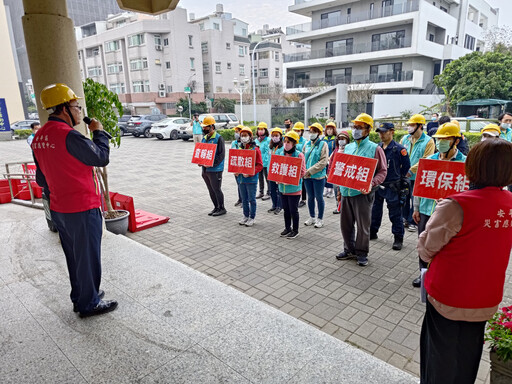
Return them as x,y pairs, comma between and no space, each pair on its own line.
34,124
444,119
500,117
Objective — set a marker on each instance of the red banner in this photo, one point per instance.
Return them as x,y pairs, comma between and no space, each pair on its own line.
285,169
242,161
204,154
352,171
437,179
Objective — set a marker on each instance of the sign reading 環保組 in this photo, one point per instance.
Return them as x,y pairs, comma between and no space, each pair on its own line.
4,117
355,172
285,169
242,161
437,179
204,154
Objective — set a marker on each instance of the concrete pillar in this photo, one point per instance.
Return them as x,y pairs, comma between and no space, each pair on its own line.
51,48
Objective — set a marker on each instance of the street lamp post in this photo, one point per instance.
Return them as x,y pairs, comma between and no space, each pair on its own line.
189,86
240,87
254,80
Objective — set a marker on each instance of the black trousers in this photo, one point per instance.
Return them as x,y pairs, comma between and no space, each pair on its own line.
304,194
450,351
262,178
291,211
213,182
421,227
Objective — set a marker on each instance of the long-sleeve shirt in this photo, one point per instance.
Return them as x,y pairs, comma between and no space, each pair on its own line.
382,170
430,149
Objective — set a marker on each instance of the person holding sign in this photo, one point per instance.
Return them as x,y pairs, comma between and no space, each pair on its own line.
263,141
212,176
299,128
447,138
276,142
330,139
356,206
248,183
316,153
467,244
235,144
290,194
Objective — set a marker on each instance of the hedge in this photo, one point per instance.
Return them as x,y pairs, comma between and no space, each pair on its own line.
23,133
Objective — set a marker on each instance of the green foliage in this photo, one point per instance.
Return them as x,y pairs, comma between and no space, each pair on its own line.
499,333
321,120
229,134
224,105
406,114
196,107
478,76
104,106
23,133
472,137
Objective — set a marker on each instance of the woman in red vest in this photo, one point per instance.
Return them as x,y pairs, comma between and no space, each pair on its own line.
467,242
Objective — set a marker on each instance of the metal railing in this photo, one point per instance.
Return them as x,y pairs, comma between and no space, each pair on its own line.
377,13
388,77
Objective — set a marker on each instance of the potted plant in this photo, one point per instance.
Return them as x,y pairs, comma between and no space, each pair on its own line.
499,336
104,106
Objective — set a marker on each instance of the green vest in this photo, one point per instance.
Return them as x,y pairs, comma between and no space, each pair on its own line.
416,150
365,148
287,188
312,153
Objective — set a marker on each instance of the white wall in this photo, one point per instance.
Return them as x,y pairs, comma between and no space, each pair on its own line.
393,105
263,113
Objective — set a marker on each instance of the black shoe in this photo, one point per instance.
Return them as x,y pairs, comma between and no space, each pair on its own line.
302,203
362,261
406,224
292,235
335,212
416,283
285,232
397,245
221,211
265,197
104,306
373,236
213,211
277,211
101,294
271,210
259,195
238,203
345,255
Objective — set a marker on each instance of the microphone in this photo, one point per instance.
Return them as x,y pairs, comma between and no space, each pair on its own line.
87,120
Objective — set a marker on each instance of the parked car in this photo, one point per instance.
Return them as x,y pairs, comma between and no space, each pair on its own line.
22,124
141,124
121,123
222,120
172,128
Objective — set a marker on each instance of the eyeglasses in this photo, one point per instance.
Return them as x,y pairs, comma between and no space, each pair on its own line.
77,106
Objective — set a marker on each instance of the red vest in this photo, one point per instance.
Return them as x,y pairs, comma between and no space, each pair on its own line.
469,272
73,185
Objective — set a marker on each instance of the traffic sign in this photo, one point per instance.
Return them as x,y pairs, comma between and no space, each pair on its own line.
187,90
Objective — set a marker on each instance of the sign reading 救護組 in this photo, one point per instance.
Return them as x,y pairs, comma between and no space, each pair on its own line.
437,179
355,172
285,169
204,154
4,117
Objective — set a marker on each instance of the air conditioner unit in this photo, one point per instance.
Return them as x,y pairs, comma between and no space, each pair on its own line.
158,47
161,94
161,86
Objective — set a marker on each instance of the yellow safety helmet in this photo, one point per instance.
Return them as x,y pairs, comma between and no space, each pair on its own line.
491,129
238,127
330,124
208,120
417,119
447,130
277,130
317,126
364,118
293,135
56,94
262,125
246,129
298,126
455,122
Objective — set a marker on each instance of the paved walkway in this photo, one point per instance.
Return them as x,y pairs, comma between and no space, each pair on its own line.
374,308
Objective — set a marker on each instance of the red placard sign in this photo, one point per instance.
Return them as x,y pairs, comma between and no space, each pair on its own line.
437,179
242,161
355,172
285,169
204,154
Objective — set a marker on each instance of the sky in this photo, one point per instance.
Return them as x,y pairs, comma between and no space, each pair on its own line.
275,12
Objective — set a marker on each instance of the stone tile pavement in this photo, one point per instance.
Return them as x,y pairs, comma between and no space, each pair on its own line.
374,308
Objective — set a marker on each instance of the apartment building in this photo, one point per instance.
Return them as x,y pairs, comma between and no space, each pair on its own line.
390,46
225,52
147,60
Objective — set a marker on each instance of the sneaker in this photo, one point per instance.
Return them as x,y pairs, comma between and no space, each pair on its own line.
259,195
310,221
292,235
220,211
238,203
373,236
412,228
335,212
326,192
213,211
243,220
345,255
302,203
249,223
271,210
285,232
330,194
397,245
362,261
265,197
277,211
319,223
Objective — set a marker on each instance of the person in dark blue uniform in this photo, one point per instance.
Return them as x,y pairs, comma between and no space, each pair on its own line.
393,187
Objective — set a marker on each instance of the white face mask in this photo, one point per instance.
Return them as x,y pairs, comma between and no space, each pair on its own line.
342,143
505,125
411,130
276,139
245,139
313,136
357,133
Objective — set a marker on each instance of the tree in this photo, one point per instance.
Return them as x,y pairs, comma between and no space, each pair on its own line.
196,107
104,106
497,38
478,76
224,104
358,98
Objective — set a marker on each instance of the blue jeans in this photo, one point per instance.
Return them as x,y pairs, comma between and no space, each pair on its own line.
238,188
275,195
315,190
248,192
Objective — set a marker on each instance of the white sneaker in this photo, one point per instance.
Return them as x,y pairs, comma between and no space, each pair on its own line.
326,191
310,221
319,223
249,223
331,193
243,221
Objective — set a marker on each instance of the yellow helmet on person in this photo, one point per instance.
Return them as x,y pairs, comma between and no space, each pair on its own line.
447,130
208,120
330,124
56,94
364,118
417,119
293,135
238,127
262,125
246,130
491,129
317,126
277,130
298,126
455,122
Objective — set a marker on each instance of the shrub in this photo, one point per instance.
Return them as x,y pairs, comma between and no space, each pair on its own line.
499,333
23,133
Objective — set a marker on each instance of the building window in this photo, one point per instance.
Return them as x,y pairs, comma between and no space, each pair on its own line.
190,37
206,67
204,47
138,86
339,47
263,89
139,64
216,26
135,40
201,27
389,40
372,6
94,71
166,42
276,73
244,32
443,9
276,55
431,37
111,46
207,87
384,73
241,69
228,45
158,40
263,55
79,55
192,64
240,51
146,85
169,89
330,19
255,72
117,88
349,12
167,65
217,67
469,42
264,72
114,68
338,76
229,66
91,52
218,89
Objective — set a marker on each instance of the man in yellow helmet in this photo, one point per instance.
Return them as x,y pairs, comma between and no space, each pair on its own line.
490,131
65,161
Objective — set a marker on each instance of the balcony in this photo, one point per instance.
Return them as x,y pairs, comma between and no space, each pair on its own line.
393,10
348,50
